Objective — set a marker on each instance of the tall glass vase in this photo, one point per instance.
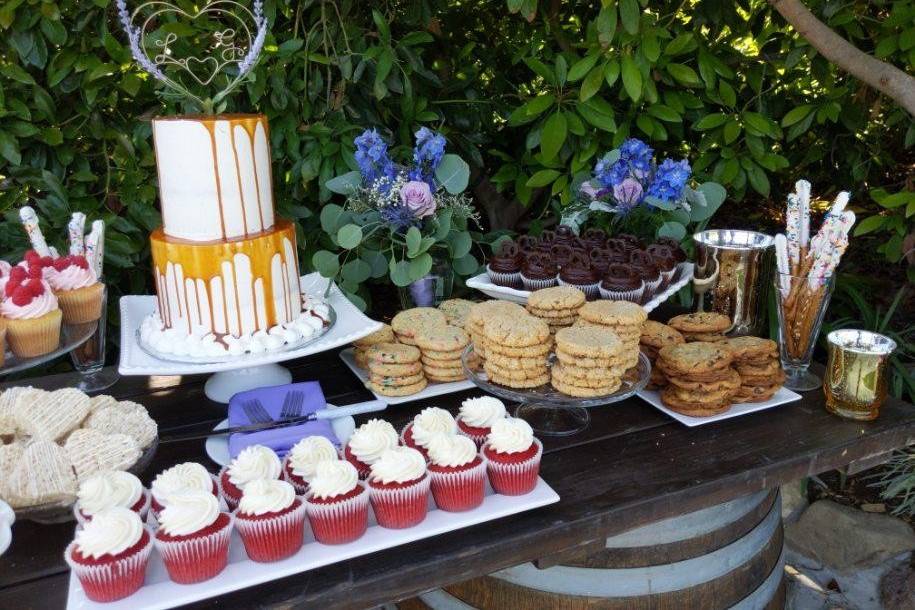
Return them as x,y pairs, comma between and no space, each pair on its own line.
802,303
89,358
430,290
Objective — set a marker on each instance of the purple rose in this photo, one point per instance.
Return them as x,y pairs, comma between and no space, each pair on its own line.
628,192
417,196
588,189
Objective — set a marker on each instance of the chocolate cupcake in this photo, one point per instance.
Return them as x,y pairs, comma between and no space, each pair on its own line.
578,273
504,268
564,235
621,246
601,259
674,246
649,271
527,243
562,254
622,282
594,238
538,271
634,241
663,257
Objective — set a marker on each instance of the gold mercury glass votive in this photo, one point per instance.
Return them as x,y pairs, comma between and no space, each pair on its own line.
856,376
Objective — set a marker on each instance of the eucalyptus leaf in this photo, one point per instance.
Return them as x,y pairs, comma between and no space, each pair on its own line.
330,218
460,244
377,262
420,267
326,263
672,229
453,173
349,236
414,239
400,273
345,184
356,271
466,265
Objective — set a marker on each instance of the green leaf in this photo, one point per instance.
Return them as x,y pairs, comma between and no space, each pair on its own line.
330,218
345,184
714,195
349,236
377,262
683,74
731,131
598,113
758,179
673,230
542,178
561,68
9,148
414,240
420,266
582,67
465,265
632,78
453,173
356,271
796,114
14,72
760,124
384,31
460,243
530,110
629,15
897,200
665,113
606,23
681,44
326,263
591,84
869,225
553,136
710,121
400,273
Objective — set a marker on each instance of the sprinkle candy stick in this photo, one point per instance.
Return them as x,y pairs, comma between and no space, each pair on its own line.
76,229
30,222
792,231
95,246
802,187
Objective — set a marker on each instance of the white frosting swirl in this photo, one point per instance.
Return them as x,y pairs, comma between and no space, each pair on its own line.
252,463
452,451
333,479
371,439
432,421
188,512
263,496
305,455
399,465
43,304
510,435
482,411
111,532
189,476
108,489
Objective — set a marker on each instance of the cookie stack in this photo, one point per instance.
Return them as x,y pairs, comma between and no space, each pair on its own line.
456,311
757,363
440,351
590,361
361,346
395,369
623,318
655,336
478,315
701,380
557,306
406,323
517,347
704,326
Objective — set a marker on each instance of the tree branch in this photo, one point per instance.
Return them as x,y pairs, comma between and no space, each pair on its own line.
880,75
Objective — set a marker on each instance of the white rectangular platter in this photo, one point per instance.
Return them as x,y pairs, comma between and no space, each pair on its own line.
484,284
784,395
431,390
351,324
159,592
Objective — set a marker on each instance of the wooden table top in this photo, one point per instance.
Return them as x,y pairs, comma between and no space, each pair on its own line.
633,465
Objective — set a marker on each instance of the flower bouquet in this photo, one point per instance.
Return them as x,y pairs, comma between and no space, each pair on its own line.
629,184
399,218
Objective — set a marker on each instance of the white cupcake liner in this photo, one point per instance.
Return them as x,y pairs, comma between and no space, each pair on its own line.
196,551
681,270
108,575
667,277
274,531
633,296
333,520
533,285
143,512
592,291
515,478
454,484
651,289
512,280
387,502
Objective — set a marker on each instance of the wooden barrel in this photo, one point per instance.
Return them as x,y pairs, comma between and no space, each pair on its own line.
726,556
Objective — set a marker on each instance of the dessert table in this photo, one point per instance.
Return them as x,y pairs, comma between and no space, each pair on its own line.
632,466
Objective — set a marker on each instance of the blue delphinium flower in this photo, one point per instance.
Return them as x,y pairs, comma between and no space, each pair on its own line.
427,154
638,155
610,174
669,180
372,157
399,217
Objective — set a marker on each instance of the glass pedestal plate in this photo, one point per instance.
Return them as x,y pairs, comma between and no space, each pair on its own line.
72,336
550,412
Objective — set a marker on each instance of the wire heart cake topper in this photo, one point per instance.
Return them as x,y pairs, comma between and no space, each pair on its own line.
233,44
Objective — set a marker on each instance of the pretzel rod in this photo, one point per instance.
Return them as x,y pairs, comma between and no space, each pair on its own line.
76,228
30,222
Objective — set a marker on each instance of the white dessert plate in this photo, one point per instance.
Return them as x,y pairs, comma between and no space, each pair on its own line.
159,592
484,284
784,395
217,447
431,390
351,324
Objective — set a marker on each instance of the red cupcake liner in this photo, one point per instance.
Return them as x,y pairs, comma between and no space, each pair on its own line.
297,482
113,580
477,435
340,521
515,478
459,490
362,468
141,508
401,507
272,538
227,495
196,559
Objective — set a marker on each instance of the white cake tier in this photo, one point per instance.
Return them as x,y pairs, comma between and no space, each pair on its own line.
214,176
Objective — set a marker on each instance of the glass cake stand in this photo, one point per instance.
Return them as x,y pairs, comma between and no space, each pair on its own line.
71,337
550,412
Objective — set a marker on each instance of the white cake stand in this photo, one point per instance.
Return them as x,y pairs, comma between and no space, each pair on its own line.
247,372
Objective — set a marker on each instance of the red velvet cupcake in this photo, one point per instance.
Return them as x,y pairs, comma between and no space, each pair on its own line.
270,520
513,457
477,415
109,555
427,423
337,504
188,476
193,537
367,443
399,488
252,463
110,489
302,460
458,473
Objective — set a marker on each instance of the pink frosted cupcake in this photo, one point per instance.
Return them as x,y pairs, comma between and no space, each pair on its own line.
109,555
252,463
513,457
193,537
427,423
270,520
78,289
108,490
477,415
337,504
188,476
399,488
302,460
367,443
458,473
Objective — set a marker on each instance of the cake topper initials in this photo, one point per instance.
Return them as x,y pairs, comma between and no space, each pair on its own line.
231,50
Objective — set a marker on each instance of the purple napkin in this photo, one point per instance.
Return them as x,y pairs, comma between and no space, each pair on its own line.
281,439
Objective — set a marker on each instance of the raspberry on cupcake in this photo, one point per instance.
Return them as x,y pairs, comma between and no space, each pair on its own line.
458,473
78,289
188,476
270,520
427,423
304,457
477,415
108,490
193,537
513,457
399,488
253,463
109,555
32,315
367,443
337,504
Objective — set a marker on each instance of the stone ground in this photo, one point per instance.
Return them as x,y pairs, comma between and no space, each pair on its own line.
843,557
